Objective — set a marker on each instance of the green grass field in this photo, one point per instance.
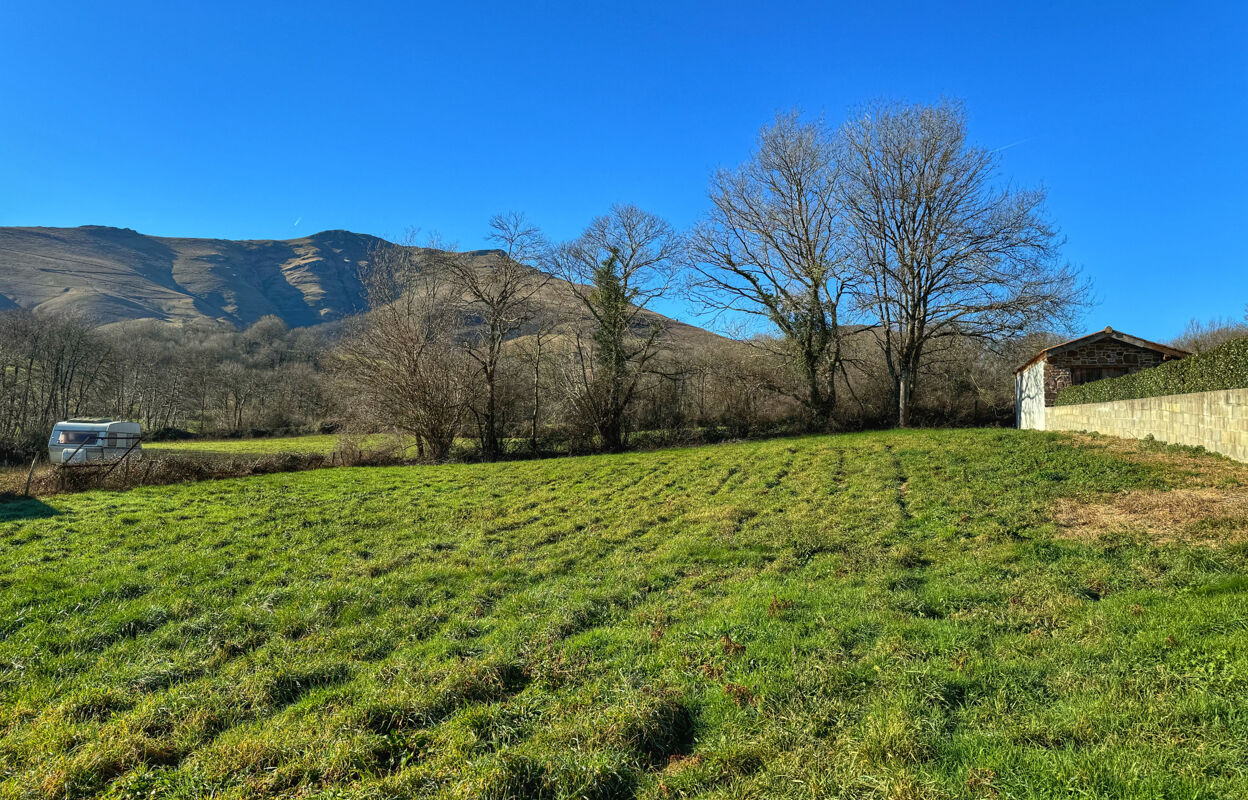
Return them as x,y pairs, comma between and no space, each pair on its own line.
892,615
282,444
315,443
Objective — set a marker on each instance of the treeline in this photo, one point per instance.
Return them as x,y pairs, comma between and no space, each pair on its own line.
893,276
878,273
1200,337
205,378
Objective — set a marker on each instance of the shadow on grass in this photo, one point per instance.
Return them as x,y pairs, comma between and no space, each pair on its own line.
14,507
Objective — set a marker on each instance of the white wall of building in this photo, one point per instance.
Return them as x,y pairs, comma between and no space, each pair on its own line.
1029,397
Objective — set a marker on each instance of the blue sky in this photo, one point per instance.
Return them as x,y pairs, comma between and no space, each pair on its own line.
275,120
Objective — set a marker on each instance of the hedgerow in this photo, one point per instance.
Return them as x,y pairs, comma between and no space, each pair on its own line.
1224,367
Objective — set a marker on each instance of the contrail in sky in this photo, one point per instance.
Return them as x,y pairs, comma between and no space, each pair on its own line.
298,221
1012,144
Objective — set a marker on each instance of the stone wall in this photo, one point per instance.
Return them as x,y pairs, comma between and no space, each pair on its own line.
1217,421
1108,357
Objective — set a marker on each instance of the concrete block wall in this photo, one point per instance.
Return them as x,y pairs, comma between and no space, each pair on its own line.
1217,421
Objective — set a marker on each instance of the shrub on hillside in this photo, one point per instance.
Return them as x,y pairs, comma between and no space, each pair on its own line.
1224,367
168,435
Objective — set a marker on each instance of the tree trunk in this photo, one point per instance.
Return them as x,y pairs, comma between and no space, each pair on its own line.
612,434
903,402
492,448
905,395
536,401
822,404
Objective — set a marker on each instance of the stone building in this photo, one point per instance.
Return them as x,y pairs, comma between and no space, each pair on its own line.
1105,354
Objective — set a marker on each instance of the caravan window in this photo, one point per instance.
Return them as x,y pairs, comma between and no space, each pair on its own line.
76,437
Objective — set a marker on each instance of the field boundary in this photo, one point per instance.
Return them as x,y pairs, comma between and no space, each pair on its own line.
1216,421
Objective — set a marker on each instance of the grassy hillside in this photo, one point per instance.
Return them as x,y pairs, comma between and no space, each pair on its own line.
882,615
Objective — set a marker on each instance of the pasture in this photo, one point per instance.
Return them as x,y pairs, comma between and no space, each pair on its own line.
321,444
911,614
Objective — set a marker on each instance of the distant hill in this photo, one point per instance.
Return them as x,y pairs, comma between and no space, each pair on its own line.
111,275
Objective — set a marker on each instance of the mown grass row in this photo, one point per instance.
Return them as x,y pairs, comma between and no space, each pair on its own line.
876,615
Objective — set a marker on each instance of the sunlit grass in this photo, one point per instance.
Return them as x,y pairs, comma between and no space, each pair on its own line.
279,444
313,443
875,615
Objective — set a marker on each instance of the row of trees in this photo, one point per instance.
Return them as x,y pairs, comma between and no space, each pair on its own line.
207,378
1199,336
894,223
454,338
875,272
878,256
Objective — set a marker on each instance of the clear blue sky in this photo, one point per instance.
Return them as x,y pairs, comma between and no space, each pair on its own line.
279,119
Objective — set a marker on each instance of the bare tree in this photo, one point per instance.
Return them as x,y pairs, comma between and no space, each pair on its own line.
532,354
945,251
774,245
498,297
208,377
399,363
623,261
51,367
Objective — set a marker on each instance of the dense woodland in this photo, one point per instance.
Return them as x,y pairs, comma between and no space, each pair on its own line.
878,273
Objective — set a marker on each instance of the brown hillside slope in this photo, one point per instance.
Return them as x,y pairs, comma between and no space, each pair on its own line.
111,275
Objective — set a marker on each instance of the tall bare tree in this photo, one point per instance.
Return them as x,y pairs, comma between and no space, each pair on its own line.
774,245
533,354
946,250
498,296
400,363
623,262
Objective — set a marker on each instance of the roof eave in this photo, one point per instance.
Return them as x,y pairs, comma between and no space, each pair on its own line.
1109,333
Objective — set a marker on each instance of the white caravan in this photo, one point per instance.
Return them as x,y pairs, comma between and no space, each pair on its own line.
94,441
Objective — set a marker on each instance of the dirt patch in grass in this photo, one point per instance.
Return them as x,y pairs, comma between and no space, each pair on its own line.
1188,466
1207,503
1195,516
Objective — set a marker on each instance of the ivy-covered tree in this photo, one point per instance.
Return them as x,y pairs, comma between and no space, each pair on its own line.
623,261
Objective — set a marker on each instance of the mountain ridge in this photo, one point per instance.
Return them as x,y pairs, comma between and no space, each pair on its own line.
110,276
